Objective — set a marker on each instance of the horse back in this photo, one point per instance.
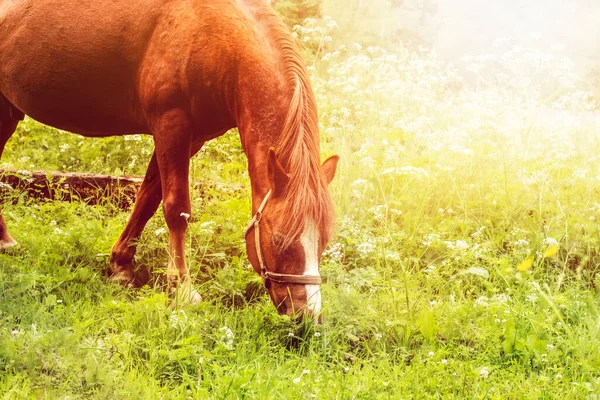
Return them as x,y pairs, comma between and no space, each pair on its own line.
103,67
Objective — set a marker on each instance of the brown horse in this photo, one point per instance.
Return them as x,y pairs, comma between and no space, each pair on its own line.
184,71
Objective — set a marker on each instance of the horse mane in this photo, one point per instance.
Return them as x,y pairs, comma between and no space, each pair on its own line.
297,147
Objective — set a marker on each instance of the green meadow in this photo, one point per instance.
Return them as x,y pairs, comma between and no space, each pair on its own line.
464,263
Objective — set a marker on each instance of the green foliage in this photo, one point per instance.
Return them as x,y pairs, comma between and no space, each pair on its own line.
465,262
295,12
37,147
427,326
383,22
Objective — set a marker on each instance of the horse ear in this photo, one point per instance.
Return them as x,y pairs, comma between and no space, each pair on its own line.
329,166
277,175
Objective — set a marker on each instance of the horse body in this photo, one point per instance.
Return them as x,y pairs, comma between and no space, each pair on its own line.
184,72
101,68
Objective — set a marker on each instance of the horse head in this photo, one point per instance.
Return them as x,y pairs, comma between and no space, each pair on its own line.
285,246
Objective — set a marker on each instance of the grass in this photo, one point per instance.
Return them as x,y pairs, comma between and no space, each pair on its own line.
414,334
464,266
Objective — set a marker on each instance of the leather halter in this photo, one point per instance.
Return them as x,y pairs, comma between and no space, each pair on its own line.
264,272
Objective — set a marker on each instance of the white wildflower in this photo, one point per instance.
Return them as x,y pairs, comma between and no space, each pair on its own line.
484,373
461,245
482,302
532,298
332,24
366,248
413,171
430,238
430,269
227,337
208,227
501,298
304,372
178,319
521,243
359,182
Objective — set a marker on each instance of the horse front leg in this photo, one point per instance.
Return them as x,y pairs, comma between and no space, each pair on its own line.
172,133
147,201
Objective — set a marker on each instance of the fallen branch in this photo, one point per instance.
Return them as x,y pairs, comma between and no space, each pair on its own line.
89,188
69,186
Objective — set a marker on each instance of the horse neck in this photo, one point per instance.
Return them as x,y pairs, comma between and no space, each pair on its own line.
273,89
260,129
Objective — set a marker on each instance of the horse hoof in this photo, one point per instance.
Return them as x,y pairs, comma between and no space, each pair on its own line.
8,245
185,294
195,297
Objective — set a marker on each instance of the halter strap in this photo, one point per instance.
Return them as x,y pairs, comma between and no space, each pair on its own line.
264,273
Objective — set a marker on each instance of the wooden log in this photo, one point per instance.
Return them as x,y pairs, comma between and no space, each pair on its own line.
70,186
90,188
